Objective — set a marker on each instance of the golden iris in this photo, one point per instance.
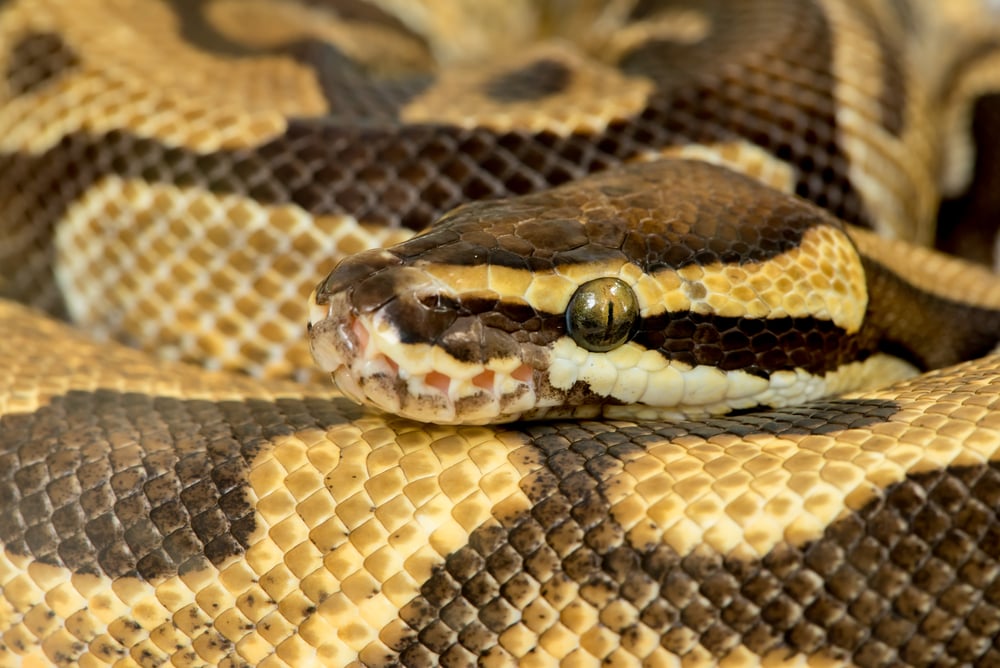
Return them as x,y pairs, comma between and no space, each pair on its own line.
602,314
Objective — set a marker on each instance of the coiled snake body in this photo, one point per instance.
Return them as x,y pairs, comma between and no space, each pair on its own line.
179,175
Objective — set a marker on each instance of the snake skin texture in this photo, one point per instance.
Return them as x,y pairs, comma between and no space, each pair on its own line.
178,175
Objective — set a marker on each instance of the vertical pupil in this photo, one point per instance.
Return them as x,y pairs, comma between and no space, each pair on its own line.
602,314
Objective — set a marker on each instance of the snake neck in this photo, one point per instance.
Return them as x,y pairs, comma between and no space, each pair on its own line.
939,311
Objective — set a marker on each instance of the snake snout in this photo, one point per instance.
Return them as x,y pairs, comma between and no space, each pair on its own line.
396,336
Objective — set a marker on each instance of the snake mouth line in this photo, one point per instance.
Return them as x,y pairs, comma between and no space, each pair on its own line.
370,366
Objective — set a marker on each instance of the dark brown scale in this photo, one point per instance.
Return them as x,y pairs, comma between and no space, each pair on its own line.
473,329
539,80
762,96
38,60
968,223
668,214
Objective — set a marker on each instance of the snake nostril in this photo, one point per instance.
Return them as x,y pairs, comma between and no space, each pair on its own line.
352,271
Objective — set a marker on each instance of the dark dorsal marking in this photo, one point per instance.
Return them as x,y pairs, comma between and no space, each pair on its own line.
136,485
892,100
924,328
876,588
38,59
663,215
534,82
743,82
199,31
351,93
968,223
905,14
759,346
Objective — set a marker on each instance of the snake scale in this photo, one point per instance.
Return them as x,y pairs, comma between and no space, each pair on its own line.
180,174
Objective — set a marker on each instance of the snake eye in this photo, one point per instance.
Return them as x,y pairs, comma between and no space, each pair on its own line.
602,314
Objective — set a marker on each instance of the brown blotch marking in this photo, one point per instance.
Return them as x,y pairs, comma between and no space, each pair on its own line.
134,485
883,585
198,30
759,346
534,82
744,80
667,214
472,330
968,223
37,60
336,73
899,315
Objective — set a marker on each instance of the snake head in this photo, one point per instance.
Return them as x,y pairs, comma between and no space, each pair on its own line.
666,289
